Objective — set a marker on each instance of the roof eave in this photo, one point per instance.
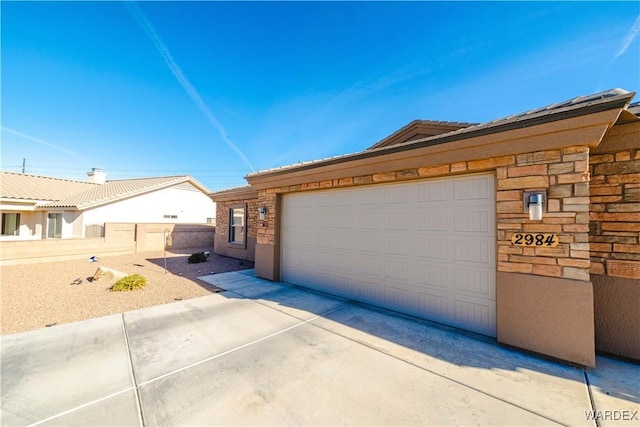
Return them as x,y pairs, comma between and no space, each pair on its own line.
236,193
611,103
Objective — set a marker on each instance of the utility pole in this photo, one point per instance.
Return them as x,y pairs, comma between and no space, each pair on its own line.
23,162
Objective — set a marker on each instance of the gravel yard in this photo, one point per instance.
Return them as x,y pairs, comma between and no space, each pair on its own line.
34,296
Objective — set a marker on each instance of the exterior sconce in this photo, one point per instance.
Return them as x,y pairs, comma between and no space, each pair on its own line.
263,211
534,204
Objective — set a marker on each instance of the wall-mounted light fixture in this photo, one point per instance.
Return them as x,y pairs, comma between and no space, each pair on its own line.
535,203
263,211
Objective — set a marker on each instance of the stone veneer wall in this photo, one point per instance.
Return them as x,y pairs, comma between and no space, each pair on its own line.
222,245
615,214
222,216
615,245
562,173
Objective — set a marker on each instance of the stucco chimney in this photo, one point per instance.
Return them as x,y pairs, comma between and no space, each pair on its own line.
97,176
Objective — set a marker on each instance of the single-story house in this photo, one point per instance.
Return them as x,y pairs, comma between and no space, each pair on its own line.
39,207
526,228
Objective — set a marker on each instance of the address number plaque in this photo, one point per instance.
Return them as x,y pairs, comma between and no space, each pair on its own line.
533,239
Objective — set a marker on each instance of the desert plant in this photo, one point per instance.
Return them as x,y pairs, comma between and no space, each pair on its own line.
129,283
197,257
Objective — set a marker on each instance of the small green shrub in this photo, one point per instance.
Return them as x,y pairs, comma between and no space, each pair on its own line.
197,257
129,283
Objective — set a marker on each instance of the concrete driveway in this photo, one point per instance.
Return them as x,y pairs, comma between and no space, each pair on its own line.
266,353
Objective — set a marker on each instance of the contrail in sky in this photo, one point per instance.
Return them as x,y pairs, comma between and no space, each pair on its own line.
41,142
182,79
631,35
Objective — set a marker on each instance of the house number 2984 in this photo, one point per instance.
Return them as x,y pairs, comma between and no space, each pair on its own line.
530,239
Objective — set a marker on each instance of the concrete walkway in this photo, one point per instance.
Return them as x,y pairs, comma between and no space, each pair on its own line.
266,353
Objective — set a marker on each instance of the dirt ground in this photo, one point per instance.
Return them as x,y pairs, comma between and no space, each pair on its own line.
40,295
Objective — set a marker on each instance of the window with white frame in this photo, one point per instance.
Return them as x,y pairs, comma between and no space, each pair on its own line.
237,228
10,224
54,226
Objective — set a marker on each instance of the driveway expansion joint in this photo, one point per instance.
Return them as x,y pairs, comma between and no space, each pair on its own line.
131,370
590,392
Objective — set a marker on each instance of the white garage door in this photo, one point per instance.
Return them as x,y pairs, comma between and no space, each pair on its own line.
425,248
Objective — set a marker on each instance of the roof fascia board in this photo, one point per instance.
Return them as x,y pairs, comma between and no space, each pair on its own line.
614,103
581,130
234,194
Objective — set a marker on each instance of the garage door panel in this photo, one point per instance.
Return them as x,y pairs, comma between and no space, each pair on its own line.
475,251
472,221
371,267
369,219
474,282
344,240
369,196
394,245
437,191
397,270
473,189
435,220
324,260
425,248
397,220
397,195
395,296
430,274
476,316
433,247
370,243
369,291
435,306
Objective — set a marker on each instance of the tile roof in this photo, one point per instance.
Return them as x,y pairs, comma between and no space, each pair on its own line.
574,107
61,193
115,190
20,186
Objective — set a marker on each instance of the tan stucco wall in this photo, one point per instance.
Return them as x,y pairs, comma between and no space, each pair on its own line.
617,315
120,239
221,246
546,315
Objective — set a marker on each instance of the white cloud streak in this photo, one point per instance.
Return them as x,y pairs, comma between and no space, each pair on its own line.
631,35
182,79
41,142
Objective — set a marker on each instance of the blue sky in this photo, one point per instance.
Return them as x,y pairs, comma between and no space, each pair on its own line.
217,89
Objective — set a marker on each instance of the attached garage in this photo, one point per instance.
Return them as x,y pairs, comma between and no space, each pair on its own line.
425,248
433,221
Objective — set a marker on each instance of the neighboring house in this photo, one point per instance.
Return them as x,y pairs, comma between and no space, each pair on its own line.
441,220
38,207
